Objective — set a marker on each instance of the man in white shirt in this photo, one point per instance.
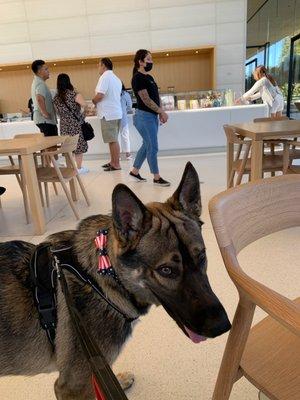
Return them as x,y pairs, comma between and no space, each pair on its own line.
109,110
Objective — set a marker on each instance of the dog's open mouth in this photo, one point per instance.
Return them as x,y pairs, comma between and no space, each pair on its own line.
194,336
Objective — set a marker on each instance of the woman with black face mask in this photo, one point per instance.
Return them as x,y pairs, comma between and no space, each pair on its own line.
147,116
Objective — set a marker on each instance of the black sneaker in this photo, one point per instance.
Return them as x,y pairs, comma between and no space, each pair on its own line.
107,165
161,182
137,177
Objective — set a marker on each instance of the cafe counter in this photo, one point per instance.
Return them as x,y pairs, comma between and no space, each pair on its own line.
185,131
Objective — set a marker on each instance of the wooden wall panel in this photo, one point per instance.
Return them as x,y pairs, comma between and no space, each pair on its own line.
184,72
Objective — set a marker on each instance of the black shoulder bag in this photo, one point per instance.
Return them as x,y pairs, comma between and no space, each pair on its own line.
86,128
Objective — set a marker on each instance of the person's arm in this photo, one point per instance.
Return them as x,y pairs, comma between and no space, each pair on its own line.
255,88
79,99
101,88
149,102
255,96
42,105
98,97
163,116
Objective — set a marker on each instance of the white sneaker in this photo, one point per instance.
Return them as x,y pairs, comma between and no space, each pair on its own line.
83,170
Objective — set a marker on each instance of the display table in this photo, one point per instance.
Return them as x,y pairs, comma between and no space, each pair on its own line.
186,131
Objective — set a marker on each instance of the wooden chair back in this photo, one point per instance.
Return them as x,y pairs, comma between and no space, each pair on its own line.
232,136
67,147
241,216
51,171
69,144
240,159
247,213
268,119
28,135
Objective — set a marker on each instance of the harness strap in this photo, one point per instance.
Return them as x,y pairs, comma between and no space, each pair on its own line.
64,260
43,277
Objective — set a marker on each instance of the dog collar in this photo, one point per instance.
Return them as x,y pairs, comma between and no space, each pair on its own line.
105,267
104,264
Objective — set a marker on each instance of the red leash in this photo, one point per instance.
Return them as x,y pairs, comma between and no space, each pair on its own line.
98,393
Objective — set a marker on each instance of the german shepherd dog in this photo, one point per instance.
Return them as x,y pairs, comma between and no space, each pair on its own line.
158,253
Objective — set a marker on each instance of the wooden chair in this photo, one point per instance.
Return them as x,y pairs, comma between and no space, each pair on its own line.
294,149
268,355
242,161
17,170
43,161
268,119
53,173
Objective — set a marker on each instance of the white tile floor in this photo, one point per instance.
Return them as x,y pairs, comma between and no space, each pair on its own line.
166,364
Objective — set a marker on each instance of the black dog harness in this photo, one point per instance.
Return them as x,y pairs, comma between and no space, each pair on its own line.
45,266
44,285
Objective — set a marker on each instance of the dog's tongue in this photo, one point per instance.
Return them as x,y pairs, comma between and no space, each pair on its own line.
194,336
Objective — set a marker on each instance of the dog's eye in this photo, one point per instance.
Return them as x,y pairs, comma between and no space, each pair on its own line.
167,272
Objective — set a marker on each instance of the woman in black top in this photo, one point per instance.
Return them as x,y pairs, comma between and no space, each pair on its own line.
147,116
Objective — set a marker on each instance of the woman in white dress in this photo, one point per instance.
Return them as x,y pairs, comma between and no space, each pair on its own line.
126,104
267,89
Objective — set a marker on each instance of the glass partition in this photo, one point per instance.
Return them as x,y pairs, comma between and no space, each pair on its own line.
293,97
270,40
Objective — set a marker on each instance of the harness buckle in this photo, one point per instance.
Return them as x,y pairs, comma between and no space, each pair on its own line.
47,313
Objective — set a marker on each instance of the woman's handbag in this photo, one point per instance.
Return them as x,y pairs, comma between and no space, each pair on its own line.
86,128
87,131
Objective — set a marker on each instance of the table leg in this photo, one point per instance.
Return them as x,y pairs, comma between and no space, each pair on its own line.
230,153
35,204
256,159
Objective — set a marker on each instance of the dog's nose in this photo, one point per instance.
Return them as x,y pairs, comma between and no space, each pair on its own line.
220,326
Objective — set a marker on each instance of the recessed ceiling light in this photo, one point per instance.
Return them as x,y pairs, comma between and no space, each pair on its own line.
167,54
82,62
27,66
197,51
54,64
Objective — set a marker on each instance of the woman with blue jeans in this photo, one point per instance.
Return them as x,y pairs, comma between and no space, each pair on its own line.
147,116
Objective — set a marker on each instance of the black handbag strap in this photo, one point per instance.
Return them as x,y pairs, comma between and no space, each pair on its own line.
72,112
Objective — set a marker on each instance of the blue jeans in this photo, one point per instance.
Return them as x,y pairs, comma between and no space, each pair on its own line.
146,124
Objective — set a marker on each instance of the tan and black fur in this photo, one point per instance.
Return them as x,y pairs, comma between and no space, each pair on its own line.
159,255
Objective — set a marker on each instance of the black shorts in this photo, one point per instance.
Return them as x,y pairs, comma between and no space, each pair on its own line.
48,129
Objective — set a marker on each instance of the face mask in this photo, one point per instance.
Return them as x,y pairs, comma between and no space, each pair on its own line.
148,66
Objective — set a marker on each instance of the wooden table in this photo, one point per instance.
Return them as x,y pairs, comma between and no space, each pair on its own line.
258,132
26,148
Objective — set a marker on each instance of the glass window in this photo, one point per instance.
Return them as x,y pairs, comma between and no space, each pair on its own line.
275,24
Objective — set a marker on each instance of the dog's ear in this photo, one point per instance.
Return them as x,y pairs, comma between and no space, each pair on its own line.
187,195
129,214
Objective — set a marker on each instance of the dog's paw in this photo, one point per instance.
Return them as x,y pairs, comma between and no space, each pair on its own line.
125,379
